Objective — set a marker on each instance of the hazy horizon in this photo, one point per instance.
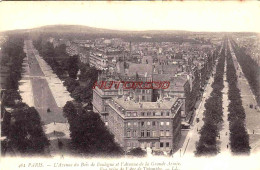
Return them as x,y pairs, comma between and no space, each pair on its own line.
134,16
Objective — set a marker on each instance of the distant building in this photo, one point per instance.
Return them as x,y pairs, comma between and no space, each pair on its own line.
98,60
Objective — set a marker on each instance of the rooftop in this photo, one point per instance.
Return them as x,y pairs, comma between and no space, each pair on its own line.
132,105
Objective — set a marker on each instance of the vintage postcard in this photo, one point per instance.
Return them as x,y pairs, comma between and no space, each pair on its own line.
130,85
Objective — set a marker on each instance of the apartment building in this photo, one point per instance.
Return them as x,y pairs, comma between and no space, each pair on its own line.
144,124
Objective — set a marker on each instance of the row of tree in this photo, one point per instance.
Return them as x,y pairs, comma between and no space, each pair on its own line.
81,89
12,59
21,124
61,63
207,144
250,69
239,138
68,68
88,132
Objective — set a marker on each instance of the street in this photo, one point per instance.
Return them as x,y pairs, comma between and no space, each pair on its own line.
41,88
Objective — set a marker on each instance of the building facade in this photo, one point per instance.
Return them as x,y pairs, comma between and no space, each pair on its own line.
144,124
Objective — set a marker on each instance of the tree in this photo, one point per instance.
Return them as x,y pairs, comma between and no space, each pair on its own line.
88,132
73,67
82,94
10,97
71,84
5,125
26,132
138,152
69,111
48,50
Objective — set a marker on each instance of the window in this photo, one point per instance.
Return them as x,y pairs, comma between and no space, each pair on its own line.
148,123
128,133
142,133
167,123
143,97
128,114
161,113
162,123
148,113
135,123
167,133
106,123
161,133
154,134
142,123
142,113
153,113
154,123
148,133
134,114
134,133
105,117
161,144
129,124
168,113
153,144
167,144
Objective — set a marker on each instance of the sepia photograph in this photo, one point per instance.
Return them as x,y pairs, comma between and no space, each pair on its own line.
130,85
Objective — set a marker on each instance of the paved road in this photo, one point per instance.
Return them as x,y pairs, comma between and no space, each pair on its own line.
42,95
42,89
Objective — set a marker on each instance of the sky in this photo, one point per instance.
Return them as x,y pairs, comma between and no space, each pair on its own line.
186,15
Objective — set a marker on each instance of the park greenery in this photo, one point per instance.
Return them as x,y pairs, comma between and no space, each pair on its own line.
239,138
207,144
21,124
88,132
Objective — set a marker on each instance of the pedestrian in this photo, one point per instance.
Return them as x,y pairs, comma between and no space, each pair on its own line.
171,152
54,132
197,129
227,146
253,131
219,136
226,133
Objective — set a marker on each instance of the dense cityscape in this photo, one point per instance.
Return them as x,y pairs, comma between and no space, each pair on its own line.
52,102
